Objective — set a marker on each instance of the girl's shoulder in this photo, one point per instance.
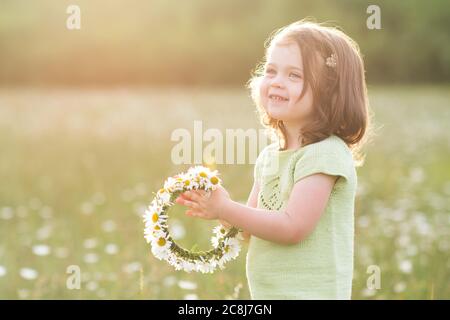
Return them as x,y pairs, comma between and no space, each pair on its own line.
269,149
331,145
330,156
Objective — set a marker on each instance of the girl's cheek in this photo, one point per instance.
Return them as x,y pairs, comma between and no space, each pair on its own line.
295,94
263,92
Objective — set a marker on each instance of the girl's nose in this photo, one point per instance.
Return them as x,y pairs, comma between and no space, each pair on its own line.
277,82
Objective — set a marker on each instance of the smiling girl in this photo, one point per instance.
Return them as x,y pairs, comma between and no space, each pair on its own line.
299,217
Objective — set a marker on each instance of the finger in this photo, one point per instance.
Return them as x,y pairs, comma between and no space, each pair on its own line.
179,200
185,196
191,204
193,213
208,194
203,215
183,202
195,196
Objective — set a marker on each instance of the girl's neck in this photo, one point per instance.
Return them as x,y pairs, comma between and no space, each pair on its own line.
292,133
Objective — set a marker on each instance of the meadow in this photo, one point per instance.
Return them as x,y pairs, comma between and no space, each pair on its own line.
79,166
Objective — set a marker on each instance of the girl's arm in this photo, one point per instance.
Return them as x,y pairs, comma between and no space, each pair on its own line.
308,200
251,202
306,203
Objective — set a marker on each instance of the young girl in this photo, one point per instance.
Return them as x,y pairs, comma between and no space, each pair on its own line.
311,90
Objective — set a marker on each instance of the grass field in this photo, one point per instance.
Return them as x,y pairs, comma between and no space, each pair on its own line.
78,167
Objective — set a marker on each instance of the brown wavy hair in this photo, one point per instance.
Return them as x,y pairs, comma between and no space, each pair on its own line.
340,101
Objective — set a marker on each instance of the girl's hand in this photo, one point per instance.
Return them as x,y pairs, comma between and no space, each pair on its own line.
207,205
225,224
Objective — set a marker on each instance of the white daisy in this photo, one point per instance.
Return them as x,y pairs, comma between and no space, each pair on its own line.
177,264
151,226
160,248
195,171
215,242
239,236
220,231
153,218
156,205
174,261
154,233
195,185
151,210
188,266
221,264
231,248
170,184
183,181
163,195
212,180
206,266
171,257
148,235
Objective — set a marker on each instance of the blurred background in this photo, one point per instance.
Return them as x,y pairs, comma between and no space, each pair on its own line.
86,118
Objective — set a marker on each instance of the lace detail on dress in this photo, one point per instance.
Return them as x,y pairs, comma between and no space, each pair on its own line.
270,194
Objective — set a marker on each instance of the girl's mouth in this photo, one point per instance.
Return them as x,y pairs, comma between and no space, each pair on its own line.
277,98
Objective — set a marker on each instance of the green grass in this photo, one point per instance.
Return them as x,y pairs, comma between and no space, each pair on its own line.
77,168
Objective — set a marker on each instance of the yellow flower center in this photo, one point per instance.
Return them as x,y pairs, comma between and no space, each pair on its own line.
214,180
161,242
222,230
157,228
186,182
155,217
203,174
226,248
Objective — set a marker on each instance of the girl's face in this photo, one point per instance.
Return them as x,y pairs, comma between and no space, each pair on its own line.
282,84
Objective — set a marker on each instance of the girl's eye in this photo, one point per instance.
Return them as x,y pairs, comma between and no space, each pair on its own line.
269,71
295,75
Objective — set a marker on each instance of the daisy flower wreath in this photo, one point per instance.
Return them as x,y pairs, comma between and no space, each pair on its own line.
226,245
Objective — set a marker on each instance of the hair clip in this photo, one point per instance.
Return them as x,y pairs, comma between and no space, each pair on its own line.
331,61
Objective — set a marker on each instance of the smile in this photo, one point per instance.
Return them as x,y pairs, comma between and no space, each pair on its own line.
275,97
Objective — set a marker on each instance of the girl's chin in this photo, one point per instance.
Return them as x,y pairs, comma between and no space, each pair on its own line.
277,104
276,112
278,107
